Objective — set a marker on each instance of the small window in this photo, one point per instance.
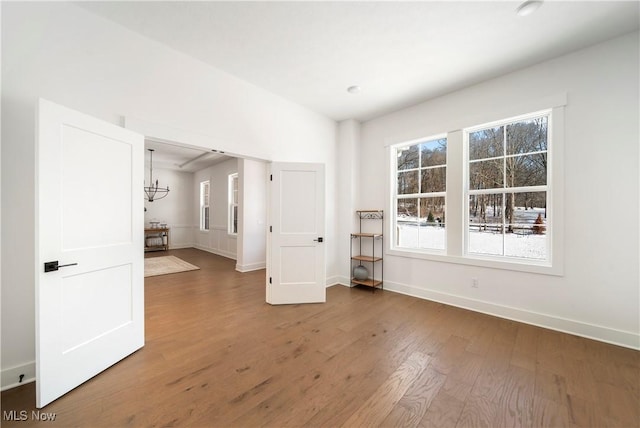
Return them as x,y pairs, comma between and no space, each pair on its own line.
233,204
507,189
204,205
420,194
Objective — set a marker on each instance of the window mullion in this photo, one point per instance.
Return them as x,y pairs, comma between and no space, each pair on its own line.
456,176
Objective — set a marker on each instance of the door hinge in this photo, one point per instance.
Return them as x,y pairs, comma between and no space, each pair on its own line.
271,177
270,280
270,228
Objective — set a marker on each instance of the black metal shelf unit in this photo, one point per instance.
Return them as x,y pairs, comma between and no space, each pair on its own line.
371,260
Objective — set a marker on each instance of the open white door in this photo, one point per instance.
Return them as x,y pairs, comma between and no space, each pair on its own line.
90,260
296,252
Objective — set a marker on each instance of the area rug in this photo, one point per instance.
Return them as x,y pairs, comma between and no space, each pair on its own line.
154,266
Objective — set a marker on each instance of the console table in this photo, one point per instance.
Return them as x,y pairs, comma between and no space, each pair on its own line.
156,239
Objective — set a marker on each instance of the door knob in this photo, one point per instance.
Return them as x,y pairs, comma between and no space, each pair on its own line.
320,239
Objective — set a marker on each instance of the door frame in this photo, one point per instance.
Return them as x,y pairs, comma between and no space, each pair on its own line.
163,133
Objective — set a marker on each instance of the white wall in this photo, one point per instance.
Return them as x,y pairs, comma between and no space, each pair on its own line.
349,141
215,240
176,209
63,53
598,296
252,215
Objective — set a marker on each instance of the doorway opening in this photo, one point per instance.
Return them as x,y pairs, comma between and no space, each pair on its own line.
216,203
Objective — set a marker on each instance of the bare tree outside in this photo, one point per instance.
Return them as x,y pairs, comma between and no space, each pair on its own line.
502,161
421,183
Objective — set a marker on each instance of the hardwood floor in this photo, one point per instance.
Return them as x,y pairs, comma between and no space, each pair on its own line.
217,355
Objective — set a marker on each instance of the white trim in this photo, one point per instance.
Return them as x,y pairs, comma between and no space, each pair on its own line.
251,267
335,280
205,205
548,188
180,246
217,252
487,114
591,331
392,152
613,336
531,266
10,377
232,203
457,200
163,133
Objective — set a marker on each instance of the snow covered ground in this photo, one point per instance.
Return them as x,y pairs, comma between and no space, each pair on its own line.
520,245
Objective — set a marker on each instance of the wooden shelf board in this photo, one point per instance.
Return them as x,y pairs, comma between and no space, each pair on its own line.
367,235
368,282
366,258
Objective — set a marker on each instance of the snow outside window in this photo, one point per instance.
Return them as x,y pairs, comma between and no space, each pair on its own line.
507,189
420,194
485,195
233,204
204,205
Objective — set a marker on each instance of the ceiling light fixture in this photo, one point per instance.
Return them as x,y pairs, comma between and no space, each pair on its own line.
528,7
355,89
153,190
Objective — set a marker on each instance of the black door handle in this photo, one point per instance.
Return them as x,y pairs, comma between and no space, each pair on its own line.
320,239
54,266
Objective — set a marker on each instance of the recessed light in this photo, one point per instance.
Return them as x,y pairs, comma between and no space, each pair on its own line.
355,89
528,7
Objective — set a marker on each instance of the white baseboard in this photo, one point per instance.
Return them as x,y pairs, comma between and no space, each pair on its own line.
251,267
10,377
222,253
591,331
180,246
332,280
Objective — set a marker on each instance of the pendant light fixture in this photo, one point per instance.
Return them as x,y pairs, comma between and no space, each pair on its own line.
152,191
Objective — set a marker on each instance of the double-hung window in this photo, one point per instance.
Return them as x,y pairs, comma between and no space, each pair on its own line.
204,205
486,195
233,204
507,188
420,194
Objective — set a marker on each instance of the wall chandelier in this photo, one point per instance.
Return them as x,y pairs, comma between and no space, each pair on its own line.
152,191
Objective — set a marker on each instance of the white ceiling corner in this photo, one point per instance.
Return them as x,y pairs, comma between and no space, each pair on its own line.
400,53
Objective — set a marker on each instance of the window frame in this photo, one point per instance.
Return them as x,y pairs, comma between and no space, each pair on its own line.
232,198
420,195
504,190
457,182
205,206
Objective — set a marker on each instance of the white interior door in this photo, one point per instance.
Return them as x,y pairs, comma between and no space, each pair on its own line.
89,314
296,256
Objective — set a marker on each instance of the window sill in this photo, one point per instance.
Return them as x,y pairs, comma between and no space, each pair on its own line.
542,268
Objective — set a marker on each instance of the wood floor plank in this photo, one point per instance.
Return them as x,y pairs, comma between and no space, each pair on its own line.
549,414
420,394
444,411
525,347
478,411
514,406
380,404
216,355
